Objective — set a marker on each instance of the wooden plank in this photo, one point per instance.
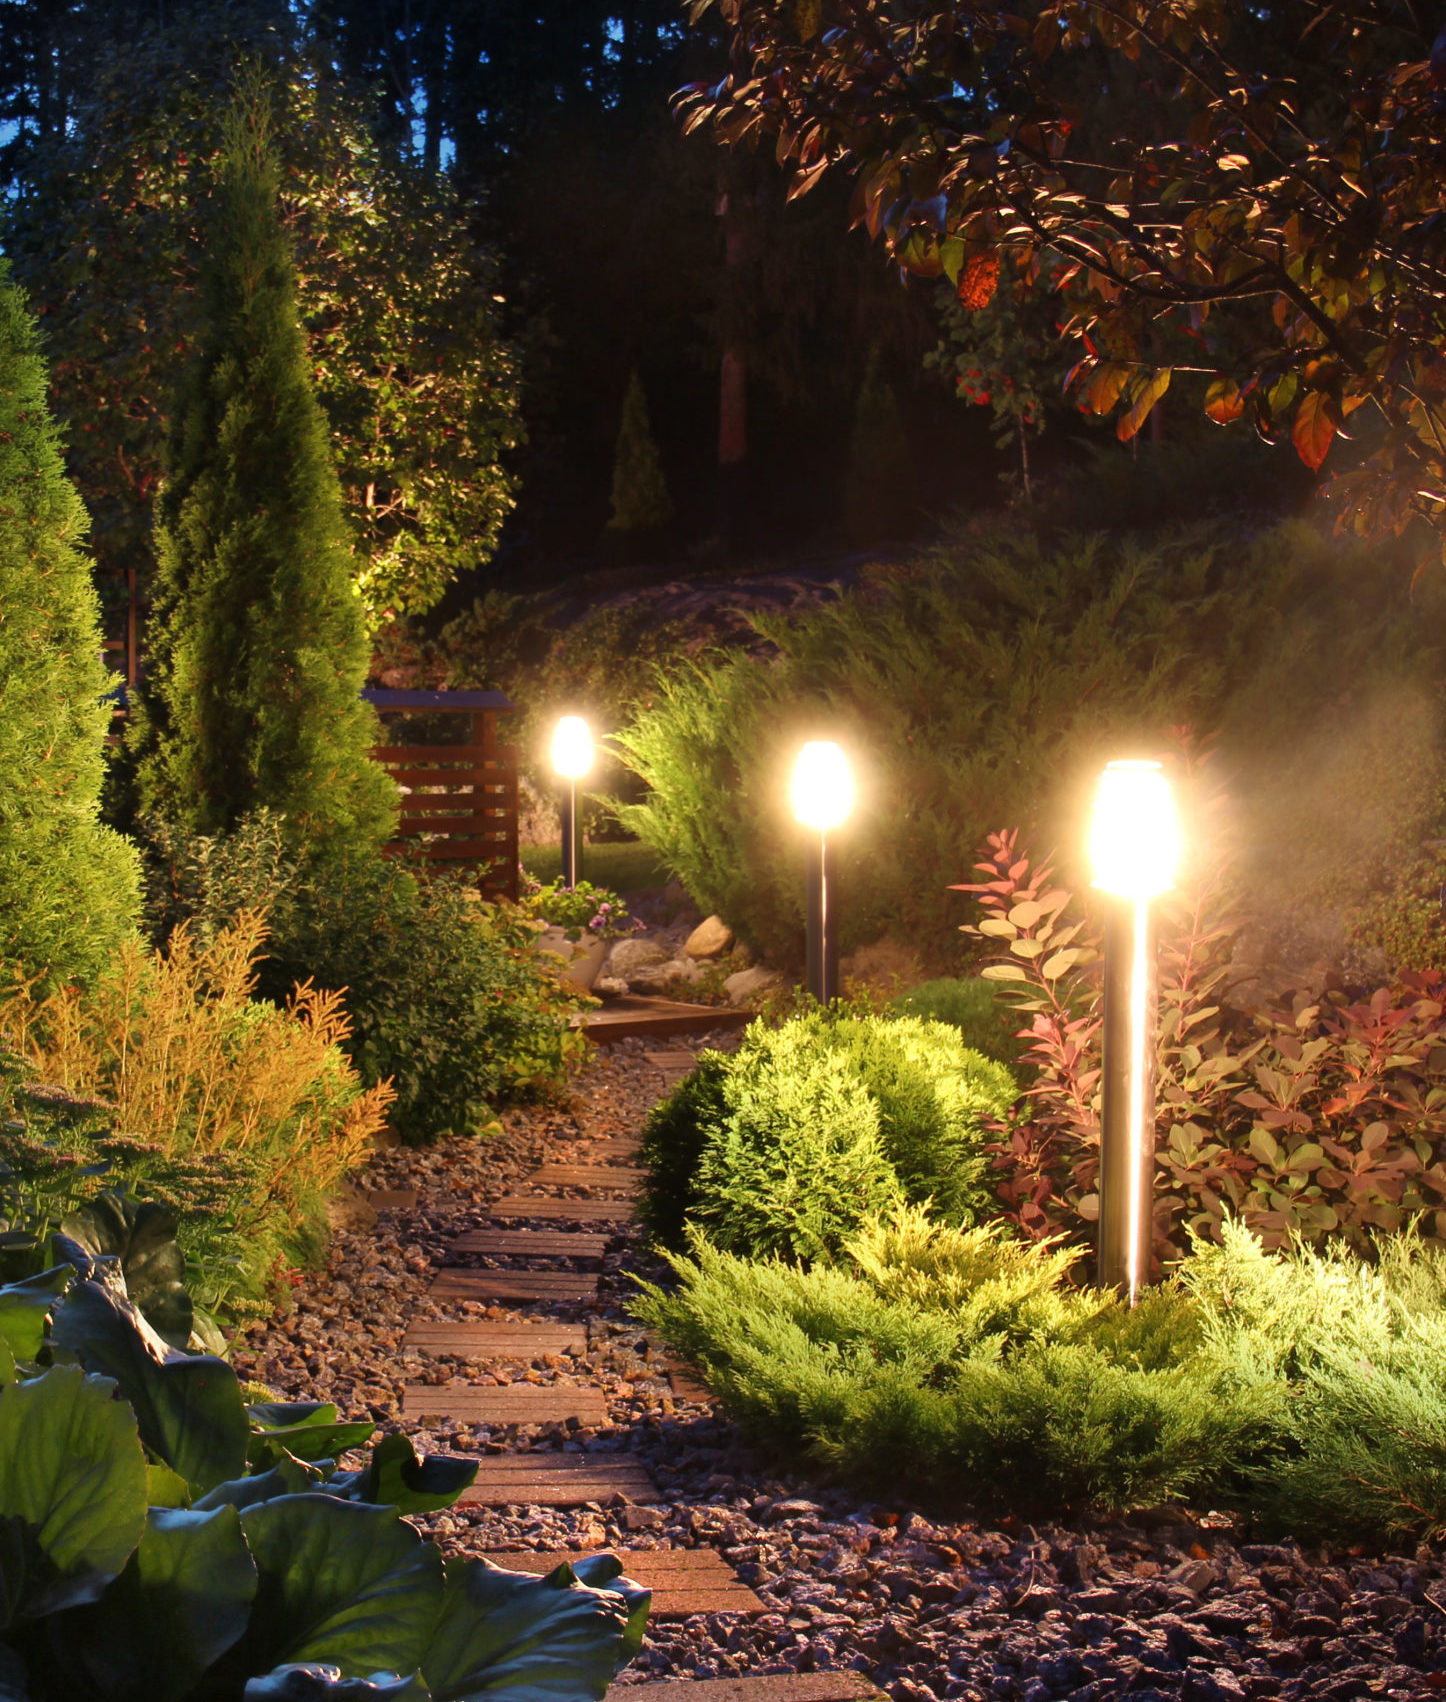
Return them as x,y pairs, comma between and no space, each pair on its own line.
629,1147
437,753
683,1580
615,1176
558,1480
686,1387
622,1019
481,1339
542,1207
764,1687
455,850
516,1403
489,774
512,1285
392,1199
532,1243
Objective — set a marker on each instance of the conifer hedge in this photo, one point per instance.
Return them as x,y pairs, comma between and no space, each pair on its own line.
68,886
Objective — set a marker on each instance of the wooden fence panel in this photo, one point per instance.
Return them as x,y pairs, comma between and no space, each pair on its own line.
459,805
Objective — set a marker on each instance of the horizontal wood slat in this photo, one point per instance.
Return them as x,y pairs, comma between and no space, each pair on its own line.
443,753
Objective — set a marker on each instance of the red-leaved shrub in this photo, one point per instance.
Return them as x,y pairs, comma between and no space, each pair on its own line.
1324,1118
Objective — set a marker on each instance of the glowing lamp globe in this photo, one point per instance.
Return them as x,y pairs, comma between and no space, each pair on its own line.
1134,832
823,787
572,747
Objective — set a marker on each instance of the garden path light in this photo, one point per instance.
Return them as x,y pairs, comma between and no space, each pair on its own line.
823,796
1134,853
572,754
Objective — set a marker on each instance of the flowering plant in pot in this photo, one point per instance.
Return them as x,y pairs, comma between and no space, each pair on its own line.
584,912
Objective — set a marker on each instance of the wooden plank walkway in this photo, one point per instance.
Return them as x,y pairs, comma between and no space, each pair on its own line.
513,1403
683,1580
615,1176
543,1207
479,1340
621,1019
559,1480
532,1243
456,1284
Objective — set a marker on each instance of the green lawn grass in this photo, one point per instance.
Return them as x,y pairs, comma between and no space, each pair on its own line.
625,868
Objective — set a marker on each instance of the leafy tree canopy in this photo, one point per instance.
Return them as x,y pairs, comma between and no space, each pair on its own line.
399,304
1264,185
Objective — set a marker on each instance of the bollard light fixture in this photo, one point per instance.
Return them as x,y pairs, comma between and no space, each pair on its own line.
823,798
1134,856
572,756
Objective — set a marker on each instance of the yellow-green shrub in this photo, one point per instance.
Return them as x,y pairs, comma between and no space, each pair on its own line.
187,1059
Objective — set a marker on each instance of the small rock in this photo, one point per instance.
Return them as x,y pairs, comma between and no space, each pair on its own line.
747,984
644,1518
711,938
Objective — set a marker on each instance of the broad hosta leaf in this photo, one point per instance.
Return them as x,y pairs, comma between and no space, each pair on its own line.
307,1430
316,1682
142,1235
25,1306
395,1477
189,1409
183,1600
605,1572
13,1680
287,1477
514,1635
340,1583
72,1491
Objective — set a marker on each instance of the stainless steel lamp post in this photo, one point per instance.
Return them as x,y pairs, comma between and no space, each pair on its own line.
823,795
572,758
1134,853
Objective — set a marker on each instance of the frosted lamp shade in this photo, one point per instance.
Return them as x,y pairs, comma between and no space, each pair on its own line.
823,787
1134,832
572,747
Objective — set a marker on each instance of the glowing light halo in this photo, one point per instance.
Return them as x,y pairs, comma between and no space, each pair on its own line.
572,749
822,793
1134,840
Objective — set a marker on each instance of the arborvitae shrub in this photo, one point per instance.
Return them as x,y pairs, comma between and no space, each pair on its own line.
640,493
786,1145
257,648
68,886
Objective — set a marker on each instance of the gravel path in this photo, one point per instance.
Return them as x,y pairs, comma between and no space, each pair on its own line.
930,1609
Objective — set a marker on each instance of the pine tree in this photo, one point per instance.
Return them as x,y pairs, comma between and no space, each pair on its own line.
257,647
640,493
877,499
68,886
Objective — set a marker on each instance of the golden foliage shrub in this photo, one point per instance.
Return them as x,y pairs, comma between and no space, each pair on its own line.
188,1059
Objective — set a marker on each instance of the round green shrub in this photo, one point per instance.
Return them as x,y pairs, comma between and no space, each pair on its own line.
785,1146
446,996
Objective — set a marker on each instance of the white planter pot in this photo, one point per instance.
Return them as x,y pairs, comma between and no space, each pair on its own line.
582,959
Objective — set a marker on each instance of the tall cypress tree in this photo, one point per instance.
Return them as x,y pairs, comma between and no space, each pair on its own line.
68,888
257,646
